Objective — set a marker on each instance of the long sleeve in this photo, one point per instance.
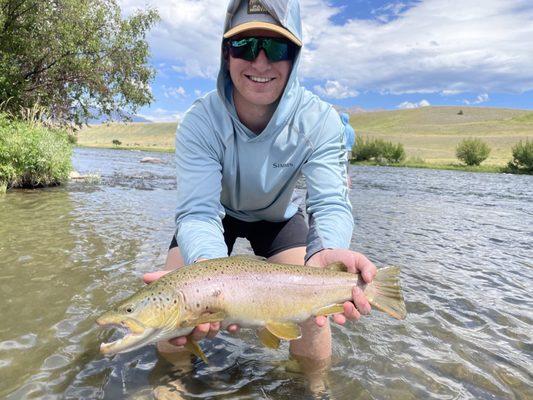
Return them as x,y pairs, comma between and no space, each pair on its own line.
199,213
329,208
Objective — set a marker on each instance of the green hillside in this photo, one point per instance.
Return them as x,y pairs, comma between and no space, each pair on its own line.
156,136
428,133
432,133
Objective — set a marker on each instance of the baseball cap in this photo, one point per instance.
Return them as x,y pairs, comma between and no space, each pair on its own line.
251,14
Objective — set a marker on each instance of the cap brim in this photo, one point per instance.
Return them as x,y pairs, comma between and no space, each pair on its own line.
262,25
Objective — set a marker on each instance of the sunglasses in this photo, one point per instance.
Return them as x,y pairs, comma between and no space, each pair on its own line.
248,48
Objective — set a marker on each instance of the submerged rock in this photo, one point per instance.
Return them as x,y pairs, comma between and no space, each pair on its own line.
152,160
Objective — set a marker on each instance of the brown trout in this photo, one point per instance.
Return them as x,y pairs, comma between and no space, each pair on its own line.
243,290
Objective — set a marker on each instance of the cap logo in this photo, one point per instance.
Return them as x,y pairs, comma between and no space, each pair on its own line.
255,7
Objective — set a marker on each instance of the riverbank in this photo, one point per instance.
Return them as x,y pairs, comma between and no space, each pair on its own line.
429,134
440,166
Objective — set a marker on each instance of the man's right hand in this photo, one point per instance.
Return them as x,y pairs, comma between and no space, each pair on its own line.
207,330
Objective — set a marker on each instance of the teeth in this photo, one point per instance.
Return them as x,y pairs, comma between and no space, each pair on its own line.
259,79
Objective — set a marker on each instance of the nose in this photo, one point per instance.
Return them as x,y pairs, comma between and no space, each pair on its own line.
261,62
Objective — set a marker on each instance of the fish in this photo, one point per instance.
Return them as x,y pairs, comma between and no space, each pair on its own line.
244,290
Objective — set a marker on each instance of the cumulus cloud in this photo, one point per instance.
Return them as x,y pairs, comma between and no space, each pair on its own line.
430,47
174,92
408,105
335,90
427,46
163,115
482,98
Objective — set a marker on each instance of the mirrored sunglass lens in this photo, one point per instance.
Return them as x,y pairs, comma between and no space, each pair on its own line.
276,50
245,48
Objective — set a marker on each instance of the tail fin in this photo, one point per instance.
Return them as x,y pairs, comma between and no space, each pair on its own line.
385,294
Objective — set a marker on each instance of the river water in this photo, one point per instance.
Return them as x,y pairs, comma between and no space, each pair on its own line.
464,242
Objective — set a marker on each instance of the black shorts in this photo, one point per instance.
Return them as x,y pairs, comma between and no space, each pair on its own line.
266,238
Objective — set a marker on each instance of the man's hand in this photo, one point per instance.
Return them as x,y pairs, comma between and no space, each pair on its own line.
202,331
355,262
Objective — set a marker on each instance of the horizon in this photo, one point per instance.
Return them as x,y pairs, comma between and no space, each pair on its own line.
402,55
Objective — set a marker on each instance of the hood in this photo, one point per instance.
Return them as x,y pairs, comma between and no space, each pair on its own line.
287,13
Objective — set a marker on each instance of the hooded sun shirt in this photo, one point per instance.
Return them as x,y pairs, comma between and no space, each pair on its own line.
225,168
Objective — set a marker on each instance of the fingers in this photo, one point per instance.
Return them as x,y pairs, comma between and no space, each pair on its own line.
233,328
202,331
367,269
362,305
153,276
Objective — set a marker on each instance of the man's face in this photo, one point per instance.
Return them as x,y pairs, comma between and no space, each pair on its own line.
259,82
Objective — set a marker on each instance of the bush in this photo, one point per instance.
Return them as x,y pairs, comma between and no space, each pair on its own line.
522,157
377,150
393,153
472,151
32,155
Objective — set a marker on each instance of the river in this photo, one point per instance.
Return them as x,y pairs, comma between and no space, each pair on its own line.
464,242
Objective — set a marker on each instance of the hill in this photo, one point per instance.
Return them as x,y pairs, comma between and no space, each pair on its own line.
429,133
432,133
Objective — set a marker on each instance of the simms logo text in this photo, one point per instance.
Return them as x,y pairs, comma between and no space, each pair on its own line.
282,165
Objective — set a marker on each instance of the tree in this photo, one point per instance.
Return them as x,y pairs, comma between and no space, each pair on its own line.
76,58
472,151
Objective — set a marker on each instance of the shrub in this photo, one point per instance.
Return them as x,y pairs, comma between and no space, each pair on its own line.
393,153
32,155
377,150
522,157
472,151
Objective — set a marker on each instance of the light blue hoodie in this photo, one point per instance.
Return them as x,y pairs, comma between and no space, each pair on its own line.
224,168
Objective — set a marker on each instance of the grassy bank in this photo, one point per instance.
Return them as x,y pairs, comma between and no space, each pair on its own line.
32,155
432,133
428,134
414,163
139,136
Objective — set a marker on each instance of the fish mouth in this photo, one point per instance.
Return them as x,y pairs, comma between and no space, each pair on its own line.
136,335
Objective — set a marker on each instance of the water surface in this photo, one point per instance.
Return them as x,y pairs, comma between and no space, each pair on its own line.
464,242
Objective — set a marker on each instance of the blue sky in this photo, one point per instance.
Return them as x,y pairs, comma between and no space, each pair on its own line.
362,53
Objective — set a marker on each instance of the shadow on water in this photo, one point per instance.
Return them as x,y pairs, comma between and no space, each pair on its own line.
464,242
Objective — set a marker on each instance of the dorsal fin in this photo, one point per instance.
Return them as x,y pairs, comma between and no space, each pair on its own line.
249,256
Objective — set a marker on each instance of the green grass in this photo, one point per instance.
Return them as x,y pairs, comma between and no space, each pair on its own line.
430,134
32,155
139,136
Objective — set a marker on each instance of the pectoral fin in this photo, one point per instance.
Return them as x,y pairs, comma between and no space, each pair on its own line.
268,339
210,317
195,349
284,330
332,309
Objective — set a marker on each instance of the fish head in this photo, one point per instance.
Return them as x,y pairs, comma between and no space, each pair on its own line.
147,317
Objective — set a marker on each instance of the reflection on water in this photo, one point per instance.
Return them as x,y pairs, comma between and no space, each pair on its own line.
464,242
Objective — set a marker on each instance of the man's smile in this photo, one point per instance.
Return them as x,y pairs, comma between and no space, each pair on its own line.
259,79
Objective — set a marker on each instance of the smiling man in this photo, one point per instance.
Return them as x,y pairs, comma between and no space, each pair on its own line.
241,149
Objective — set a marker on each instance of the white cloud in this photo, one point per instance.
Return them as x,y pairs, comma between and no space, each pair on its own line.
335,90
174,92
408,105
482,98
429,46
163,115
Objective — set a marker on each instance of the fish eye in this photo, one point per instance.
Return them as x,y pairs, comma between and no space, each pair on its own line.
129,309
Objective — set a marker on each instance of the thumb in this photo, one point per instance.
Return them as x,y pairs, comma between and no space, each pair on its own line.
153,276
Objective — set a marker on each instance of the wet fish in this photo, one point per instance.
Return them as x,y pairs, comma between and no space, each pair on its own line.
247,291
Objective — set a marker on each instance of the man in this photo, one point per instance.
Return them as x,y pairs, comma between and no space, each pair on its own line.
240,150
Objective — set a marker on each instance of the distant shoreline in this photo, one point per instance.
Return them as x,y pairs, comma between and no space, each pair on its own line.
429,135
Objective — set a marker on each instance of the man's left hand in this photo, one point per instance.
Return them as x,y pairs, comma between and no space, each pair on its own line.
356,263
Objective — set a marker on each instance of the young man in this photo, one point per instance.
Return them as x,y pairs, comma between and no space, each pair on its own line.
240,150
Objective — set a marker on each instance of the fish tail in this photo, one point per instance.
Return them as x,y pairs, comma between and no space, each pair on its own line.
385,293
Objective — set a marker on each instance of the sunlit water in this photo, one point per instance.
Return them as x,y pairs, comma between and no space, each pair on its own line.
464,242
